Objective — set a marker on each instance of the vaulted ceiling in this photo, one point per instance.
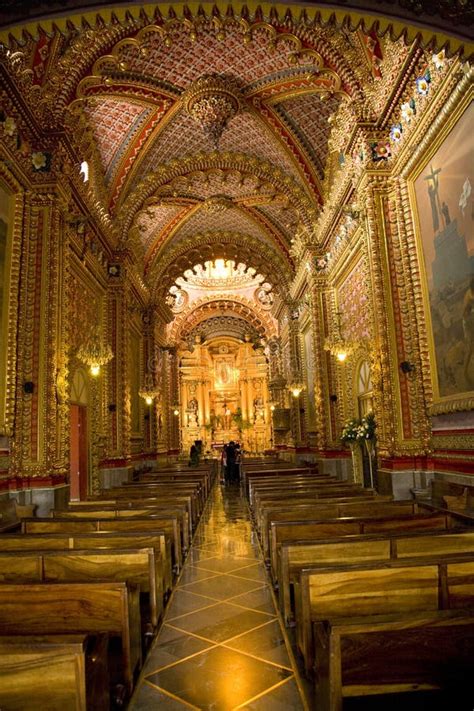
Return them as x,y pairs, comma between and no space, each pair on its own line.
175,198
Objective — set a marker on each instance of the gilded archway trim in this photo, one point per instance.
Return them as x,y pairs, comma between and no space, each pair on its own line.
220,304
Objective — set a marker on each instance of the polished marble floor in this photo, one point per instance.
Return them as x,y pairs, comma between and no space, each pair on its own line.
222,645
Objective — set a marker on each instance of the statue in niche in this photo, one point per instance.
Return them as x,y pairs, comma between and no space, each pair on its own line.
192,411
258,410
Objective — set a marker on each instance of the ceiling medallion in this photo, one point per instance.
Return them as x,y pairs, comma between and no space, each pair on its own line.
217,203
212,101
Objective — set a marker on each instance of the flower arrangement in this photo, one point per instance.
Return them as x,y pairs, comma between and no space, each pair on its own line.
367,427
360,431
350,431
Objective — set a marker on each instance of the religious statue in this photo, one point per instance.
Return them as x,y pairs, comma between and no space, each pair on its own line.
192,411
258,410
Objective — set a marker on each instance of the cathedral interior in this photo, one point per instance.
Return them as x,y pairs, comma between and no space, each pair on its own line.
236,222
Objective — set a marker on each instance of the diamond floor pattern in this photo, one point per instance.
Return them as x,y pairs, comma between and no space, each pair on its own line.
221,646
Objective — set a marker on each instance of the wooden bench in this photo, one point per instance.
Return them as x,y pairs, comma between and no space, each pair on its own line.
281,531
190,495
284,483
323,510
105,511
99,540
297,555
56,673
11,514
329,504
395,654
248,474
141,566
391,587
79,608
168,524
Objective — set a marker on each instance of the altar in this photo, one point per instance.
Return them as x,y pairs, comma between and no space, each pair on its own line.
224,395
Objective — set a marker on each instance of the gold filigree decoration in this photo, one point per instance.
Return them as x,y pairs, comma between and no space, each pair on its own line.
212,101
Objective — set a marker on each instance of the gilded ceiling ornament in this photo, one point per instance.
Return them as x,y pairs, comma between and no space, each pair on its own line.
212,101
218,203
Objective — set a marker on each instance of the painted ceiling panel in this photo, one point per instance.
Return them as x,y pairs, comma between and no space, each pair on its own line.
155,219
234,220
308,116
245,133
114,123
185,61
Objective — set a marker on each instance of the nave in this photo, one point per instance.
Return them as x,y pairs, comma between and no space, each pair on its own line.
222,645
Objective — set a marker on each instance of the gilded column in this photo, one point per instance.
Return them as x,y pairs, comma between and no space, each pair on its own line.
317,284
207,402
384,365
243,399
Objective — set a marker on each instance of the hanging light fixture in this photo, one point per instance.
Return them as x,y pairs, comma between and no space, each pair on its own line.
94,353
296,387
336,344
150,391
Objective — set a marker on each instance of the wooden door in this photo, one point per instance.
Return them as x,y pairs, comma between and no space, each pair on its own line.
79,453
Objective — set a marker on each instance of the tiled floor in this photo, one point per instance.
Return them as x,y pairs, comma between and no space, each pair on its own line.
221,646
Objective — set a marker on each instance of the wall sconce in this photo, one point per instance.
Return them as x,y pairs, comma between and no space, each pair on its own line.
406,367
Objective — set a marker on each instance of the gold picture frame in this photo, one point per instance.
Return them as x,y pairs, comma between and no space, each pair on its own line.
441,191
11,214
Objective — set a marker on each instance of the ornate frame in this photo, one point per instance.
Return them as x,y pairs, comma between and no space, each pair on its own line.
12,276
434,139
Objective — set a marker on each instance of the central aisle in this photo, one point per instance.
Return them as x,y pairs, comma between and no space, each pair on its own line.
221,646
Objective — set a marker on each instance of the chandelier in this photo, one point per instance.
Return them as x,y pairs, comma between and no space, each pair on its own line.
336,344
94,354
296,387
212,101
150,391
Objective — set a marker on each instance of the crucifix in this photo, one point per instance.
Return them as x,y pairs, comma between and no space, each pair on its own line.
434,196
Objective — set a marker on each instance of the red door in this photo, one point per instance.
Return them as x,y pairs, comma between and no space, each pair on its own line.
78,456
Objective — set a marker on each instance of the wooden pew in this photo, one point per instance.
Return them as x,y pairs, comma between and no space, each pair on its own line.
79,608
391,654
130,514
329,509
392,587
157,540
139,566
9,520
248,474
329,501
257,486
294,556
54,672
110,510
323,528
168,524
